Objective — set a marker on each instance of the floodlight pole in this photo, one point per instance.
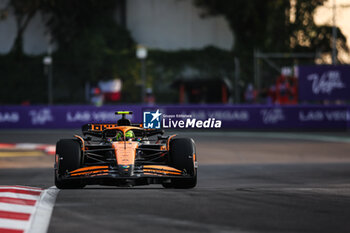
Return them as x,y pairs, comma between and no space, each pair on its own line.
143,75
334,35
48,70
141,53
257,80
237,78
50,85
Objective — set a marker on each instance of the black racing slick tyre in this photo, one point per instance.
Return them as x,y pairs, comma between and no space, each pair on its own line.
182,153
68,152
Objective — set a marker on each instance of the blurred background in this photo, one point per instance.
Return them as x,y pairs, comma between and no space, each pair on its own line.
276,73
189,52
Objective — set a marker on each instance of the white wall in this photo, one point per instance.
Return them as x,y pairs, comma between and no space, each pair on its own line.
175,24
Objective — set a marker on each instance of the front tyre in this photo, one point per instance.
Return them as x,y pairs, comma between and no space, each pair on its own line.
182,155
68,152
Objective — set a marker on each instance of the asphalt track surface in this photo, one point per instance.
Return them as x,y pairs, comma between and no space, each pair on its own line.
306,190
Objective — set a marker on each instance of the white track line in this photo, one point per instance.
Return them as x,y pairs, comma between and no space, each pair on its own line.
19,196
16,208
39,214
40,220
27,146
13,224
22,188
48,149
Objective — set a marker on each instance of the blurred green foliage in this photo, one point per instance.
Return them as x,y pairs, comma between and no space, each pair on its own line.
98,53
91,46
22,79
168,66
273,26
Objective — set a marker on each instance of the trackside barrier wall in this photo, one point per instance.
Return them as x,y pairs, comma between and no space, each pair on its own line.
245,117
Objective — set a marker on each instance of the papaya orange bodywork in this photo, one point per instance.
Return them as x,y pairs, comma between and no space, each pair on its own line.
89,170
125,152
90,173
161,167
155,172
162,172
82,142
169,140
101,127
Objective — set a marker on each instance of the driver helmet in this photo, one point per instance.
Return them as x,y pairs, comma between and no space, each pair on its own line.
128,135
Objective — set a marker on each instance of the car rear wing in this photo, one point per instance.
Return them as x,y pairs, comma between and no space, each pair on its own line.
96,129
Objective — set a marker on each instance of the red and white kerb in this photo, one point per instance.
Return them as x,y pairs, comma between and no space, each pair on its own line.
18,208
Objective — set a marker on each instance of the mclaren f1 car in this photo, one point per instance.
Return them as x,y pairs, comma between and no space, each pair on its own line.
125,154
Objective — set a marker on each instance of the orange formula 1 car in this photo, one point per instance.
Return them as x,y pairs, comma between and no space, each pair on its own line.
125,154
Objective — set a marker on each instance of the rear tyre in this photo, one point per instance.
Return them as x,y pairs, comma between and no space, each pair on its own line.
69,159
182,152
